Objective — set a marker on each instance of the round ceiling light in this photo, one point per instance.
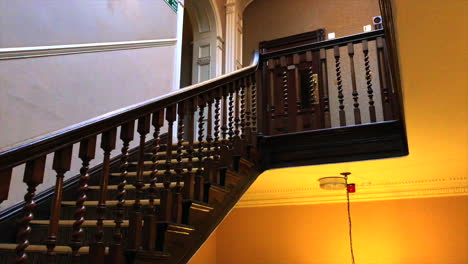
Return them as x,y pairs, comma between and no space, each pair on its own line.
332,183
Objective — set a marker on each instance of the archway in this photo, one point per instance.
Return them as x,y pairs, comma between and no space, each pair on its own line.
203,20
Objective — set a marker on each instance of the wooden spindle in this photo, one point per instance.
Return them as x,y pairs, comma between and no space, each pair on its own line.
224,126
384,81
33,176
61,164
248,109
254,105
116,252
370,91
297,83
136,216
312,90
86,153
189,182
324,84
217,96
272,108
209,127
231,114
177,200
97,249
243,106
237,110
150,219
284,86
166,194
199,181
339,84
357,111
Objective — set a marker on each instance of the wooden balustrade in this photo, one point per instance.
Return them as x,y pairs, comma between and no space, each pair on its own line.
302,98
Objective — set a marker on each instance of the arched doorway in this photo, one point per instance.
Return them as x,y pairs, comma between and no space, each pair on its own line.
203,36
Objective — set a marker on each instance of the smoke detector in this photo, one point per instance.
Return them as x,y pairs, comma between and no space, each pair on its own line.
333,183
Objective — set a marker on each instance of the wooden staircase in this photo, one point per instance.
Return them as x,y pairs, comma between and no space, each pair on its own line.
161,197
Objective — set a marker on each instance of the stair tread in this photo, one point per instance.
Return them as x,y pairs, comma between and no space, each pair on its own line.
148,173
131,187
163,161
86,223
43,248
110,202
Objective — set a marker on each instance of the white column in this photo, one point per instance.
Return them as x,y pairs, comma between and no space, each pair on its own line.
231,33
178,48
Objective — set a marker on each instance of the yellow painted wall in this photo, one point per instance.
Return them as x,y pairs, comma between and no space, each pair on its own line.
432,41
416,231
207,253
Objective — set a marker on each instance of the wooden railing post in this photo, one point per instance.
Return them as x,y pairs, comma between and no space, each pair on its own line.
61,164
116,250
5,180
33,176
97,249
86,153
387,98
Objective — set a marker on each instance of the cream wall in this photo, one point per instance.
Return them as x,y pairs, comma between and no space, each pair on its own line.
39,95
271,19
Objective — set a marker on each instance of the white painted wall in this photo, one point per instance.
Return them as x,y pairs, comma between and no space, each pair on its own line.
44,94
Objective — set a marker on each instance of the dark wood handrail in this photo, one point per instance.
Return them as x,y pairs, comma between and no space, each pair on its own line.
24,151
325,44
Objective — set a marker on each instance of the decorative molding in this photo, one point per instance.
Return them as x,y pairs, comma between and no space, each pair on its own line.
56,50
204,60
312,194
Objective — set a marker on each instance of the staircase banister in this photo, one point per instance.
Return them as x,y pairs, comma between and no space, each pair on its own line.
356,38
14,155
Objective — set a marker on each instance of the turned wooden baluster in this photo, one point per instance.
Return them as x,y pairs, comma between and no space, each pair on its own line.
236,109
384,82
253,100
199,181
33,176
324,83
297,82
243,107
136,216
370,91
357,111
97,249
209,127
271,70
177,200
284,85
231,114
61,164
189,181
116,252
312,90
150,219
217,96
224,114
248,109
166,193
86,154
339,84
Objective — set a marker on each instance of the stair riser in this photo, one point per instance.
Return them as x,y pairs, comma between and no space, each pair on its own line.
93,195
